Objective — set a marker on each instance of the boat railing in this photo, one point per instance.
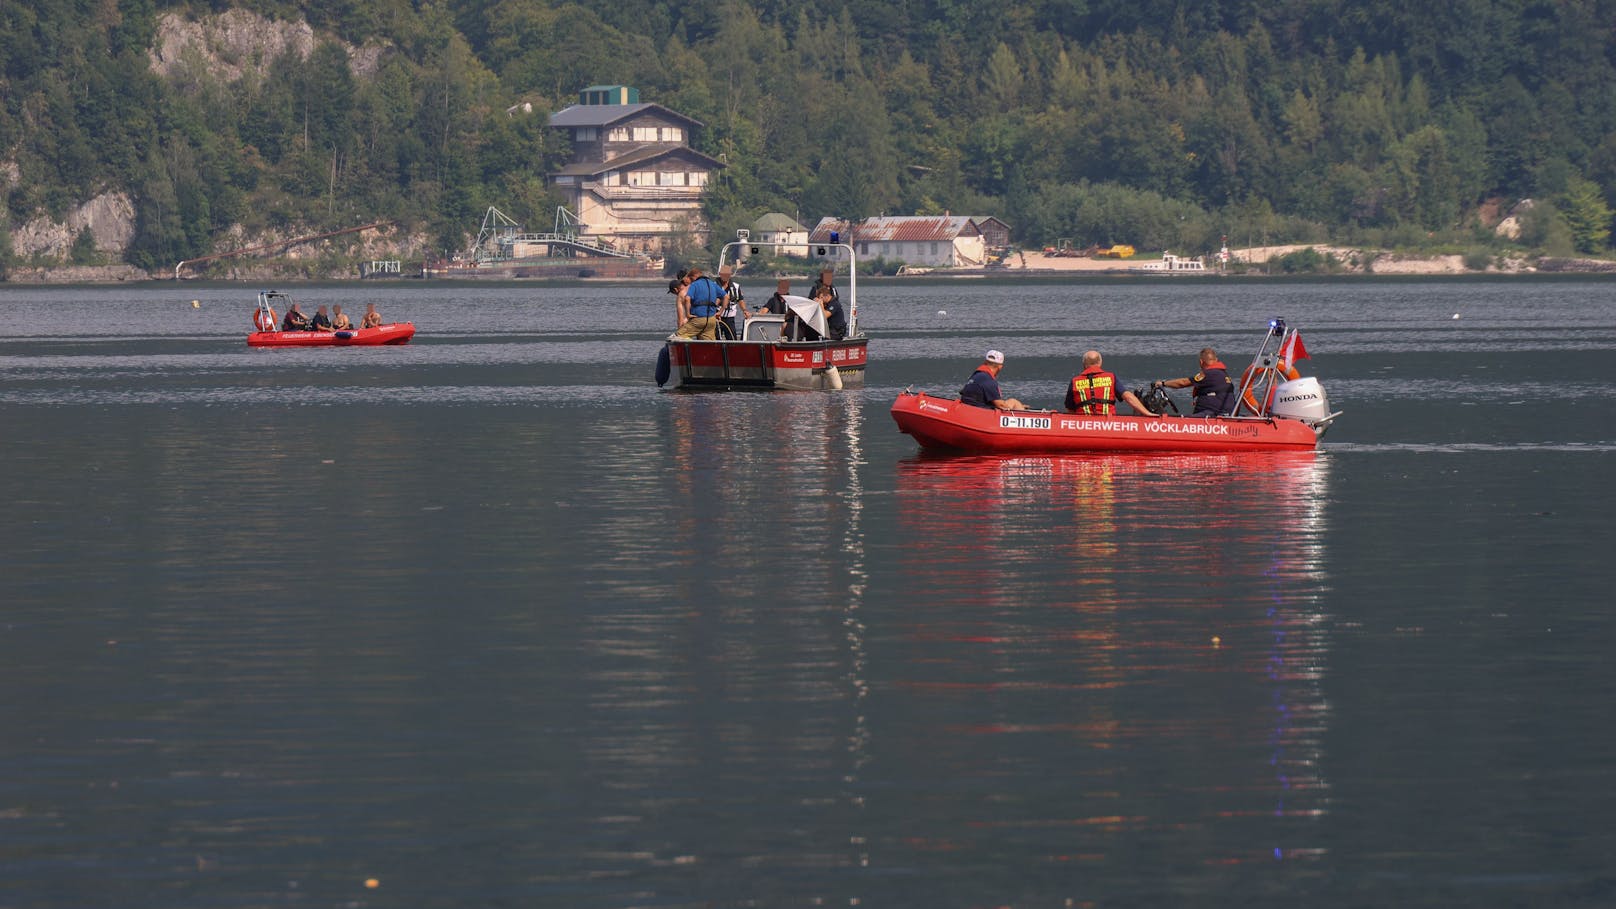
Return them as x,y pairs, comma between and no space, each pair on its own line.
738,249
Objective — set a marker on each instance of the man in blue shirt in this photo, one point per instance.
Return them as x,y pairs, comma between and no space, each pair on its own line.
983,388
698,307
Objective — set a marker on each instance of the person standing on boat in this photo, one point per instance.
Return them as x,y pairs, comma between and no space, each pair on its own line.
825,295
1211,386
983,388
698,307
372,319
321,321
339,319
735,311
1093,392
681,304
295,320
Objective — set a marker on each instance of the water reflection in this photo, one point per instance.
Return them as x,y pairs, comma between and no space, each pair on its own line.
1148,626
727,687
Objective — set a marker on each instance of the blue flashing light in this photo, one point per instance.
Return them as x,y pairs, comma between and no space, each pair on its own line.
835,236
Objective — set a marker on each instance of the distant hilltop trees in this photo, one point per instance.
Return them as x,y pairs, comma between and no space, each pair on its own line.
162,132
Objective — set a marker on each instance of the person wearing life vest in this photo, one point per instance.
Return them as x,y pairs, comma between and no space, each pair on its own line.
1094,391
1211,386
698,307
983,388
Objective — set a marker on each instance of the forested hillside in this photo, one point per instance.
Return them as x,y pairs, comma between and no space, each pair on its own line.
1160,124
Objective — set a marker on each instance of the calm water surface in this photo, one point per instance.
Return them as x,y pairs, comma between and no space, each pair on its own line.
488,620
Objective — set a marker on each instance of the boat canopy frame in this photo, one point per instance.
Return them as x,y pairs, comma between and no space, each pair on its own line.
735,250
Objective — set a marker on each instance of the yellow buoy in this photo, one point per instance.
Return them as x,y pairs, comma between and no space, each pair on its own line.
371,883
195,304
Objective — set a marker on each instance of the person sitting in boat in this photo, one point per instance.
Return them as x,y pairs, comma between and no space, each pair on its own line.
698,316
1211,386
372,319
983,388
339,319
830,304
776,305
734,302
321,321
825,295
1094,391
295,320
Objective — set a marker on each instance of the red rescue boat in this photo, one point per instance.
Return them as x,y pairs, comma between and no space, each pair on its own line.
941,424
395,333
267,336
1280,410
763,357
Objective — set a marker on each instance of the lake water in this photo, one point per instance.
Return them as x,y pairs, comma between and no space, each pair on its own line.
489,620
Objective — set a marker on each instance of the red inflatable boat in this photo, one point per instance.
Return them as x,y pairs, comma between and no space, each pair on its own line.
397,333
1279,410
264,320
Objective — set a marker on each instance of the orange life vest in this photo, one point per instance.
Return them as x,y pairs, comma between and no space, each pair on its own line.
1093,392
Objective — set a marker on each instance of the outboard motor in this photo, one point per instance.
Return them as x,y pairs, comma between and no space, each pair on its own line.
1301,399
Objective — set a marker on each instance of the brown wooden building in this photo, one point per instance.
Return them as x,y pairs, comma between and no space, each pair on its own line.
634,180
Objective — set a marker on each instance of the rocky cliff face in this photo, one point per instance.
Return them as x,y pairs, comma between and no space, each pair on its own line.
225,47
237,43
110,218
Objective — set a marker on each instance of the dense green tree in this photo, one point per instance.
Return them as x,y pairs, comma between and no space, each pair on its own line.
1587,215
1150,122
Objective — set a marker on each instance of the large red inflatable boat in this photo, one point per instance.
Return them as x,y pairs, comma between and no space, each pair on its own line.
1279,410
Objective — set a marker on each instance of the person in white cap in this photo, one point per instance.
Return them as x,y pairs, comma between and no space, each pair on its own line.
983,388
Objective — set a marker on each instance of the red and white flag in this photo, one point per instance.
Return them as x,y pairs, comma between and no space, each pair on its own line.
1293,349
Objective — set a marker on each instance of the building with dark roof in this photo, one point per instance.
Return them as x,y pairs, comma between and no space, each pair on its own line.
948,241
633,180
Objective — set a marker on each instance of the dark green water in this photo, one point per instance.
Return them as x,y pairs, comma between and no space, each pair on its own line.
491,621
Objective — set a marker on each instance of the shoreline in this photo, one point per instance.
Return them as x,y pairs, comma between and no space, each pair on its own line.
1250,262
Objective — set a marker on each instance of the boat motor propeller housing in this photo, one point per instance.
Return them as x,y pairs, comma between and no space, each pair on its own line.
1301,399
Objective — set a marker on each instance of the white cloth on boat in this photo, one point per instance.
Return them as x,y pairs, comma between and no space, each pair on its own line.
809,312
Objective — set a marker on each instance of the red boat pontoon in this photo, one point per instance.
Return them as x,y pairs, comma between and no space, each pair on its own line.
268,336
1279,411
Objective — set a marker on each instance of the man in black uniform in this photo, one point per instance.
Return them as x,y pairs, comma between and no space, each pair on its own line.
1211,386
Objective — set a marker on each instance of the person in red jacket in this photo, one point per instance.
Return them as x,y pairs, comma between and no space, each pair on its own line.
1094,391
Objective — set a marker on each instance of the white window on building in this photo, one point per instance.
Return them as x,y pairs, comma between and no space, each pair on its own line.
641,178
585,134
673,134
618,134
934,249
698,178
612,178
645,134
864,249
670,179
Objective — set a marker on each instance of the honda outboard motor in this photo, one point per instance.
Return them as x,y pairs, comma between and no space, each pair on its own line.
1301,399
